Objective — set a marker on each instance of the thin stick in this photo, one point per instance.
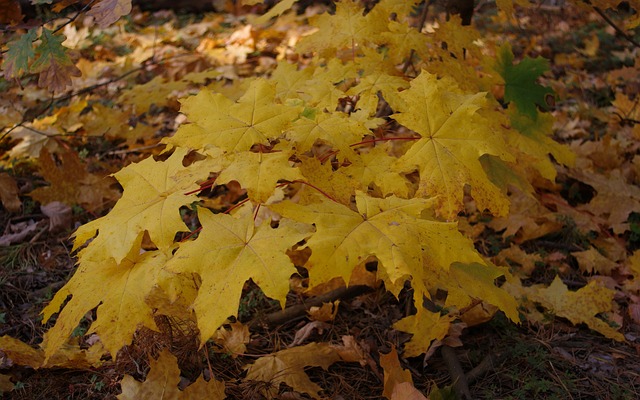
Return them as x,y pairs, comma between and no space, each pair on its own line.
616,27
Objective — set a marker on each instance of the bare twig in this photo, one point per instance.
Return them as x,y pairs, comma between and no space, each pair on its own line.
423,19
460,384
282,316
616,27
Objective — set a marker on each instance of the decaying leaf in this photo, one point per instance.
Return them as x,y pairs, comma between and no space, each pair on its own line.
233,340
287,366
9,193
106,12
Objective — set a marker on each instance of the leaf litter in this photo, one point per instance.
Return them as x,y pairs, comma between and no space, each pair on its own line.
569,350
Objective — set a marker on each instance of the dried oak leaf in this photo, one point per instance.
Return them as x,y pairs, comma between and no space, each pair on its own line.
53,63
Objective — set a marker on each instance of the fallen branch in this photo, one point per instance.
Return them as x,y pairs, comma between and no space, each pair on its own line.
282,316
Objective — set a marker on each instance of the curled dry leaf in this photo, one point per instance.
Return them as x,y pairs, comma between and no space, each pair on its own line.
60,216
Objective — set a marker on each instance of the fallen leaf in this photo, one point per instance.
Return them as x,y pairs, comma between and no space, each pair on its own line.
406,391
161,382
60,216
106,12
287,366
393,373
235,339
9,193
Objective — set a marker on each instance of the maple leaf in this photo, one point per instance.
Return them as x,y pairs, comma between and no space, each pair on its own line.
121,288
258,173
374,167
19,53
53,63
315,125
71,183
348,28
106,12
372,84
287,366
338,184
592,261
153,193
425,326
466,282
390,229
234,340
581,306
229,251
162,383
520,81
216,120
454,137
157,91
534,140
393,372
17,352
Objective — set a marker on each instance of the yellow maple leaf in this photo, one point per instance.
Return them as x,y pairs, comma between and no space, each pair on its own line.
287,366
157,91
338,184
581,306
162,383
233,126
454,137
426,327
390,229
466,282
348,28
153,194
230,250
334,128
120,290
374,166
372,84
533,138
258,173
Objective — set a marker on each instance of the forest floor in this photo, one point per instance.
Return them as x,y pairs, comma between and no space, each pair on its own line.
596,74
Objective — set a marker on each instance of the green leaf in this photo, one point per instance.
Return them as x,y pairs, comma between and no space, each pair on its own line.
53,63
18,55
520,81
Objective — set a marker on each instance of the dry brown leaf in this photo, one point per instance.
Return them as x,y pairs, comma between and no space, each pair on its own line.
393,373
60,216
327,312
235,339
9,193
287,366
161,382
406,391
71,183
